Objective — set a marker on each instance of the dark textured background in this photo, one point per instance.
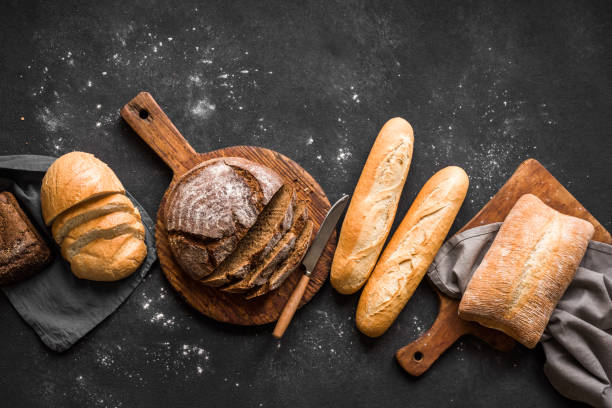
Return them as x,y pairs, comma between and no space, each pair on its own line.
485,85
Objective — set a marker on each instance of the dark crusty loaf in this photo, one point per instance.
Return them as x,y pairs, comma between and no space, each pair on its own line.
271,225
23,252
214,206
284,270
261,271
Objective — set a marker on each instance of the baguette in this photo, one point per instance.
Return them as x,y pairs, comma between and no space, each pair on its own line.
411,250
373,206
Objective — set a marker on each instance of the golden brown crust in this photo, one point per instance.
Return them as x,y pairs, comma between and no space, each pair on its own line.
373,206
524,274
411,250
109,259
107,226
89,210
72,179
99,230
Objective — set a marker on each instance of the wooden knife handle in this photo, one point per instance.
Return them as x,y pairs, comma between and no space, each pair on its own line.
291,307
150,122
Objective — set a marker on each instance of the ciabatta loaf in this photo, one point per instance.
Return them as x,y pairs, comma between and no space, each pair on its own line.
373,206
524,274
411,250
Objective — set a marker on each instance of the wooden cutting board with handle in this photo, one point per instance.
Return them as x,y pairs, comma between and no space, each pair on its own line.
149,121
530,177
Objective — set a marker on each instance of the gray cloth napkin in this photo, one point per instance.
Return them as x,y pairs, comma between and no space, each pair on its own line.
578,338
60,307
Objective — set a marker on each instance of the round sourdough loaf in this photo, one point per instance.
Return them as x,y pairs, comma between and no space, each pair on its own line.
212,208
97,227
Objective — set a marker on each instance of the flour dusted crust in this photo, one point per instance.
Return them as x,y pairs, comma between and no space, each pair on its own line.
261,271
213,207
373,206
271,225
411,250
524,274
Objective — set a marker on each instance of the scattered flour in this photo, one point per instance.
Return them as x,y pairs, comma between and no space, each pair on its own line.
202,109
343,154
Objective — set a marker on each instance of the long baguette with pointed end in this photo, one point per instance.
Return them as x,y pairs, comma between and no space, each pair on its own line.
411,250
373,206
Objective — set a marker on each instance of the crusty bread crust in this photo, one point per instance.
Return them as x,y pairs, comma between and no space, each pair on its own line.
212,208
286,268
99,230
262,270
109,259
89,210
23,251
271,225
72,179
524,274
373,206
411,250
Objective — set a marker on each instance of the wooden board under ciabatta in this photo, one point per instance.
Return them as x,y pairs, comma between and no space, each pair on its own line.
529,178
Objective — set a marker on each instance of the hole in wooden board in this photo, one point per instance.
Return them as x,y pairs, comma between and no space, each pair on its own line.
143,113
418,356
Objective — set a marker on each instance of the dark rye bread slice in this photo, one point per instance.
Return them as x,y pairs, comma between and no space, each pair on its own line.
284,270
212,208
260,273
23,252
272,223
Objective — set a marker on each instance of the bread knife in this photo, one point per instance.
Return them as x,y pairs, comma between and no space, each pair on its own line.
310,261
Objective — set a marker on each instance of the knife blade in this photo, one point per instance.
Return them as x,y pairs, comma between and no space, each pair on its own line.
327,228
310,261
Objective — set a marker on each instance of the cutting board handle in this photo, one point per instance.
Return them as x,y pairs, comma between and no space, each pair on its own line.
150,122
418,356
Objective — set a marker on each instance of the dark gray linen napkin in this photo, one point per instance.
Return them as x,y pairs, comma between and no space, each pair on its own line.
578,338
60,307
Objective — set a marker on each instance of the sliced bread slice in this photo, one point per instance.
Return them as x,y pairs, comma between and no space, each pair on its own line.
285,269
107,226
279,253
88,210
109,259
213,207
272,223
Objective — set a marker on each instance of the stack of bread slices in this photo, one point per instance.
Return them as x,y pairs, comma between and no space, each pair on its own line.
233,224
